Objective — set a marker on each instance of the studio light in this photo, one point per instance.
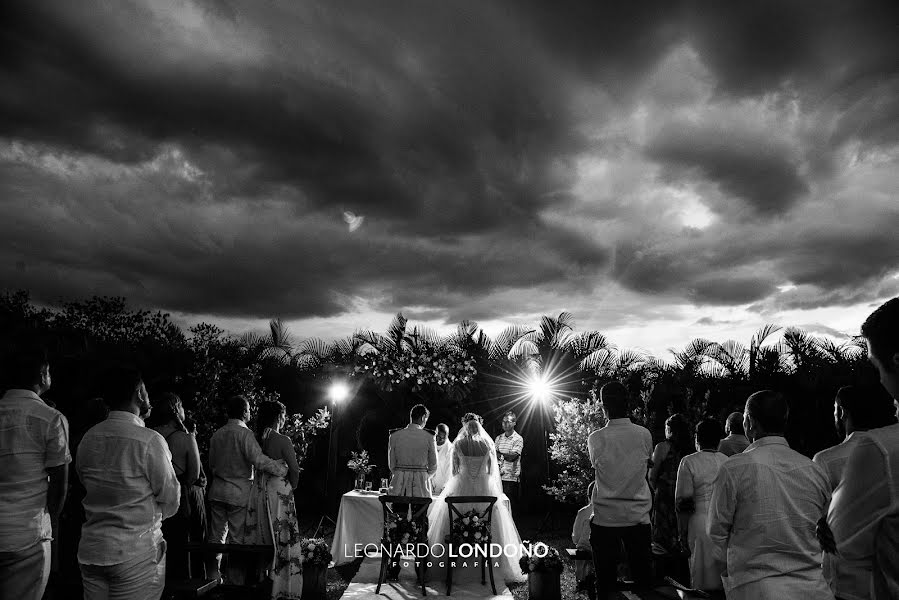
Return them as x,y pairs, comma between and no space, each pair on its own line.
540,388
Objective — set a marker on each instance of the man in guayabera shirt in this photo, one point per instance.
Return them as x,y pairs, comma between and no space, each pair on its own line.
766,502
234,455
736,440
856,410
130,485
620,453
34,457
864,514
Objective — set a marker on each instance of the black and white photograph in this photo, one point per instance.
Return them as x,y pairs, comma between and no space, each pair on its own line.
507,299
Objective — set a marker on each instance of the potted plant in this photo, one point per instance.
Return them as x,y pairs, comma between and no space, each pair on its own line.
543,566
316,558
359,464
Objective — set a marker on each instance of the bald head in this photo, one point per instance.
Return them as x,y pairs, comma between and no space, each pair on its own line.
734,424
766,414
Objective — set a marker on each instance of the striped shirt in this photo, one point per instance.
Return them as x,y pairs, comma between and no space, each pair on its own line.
511,444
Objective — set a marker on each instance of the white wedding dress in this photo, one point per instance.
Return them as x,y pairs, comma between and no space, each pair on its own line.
476,473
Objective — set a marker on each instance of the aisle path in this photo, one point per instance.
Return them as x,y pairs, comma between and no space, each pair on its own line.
466,584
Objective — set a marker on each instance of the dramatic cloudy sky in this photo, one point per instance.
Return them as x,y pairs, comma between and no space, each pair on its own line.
678,170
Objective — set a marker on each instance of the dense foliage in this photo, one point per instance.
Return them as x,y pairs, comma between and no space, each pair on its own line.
466,371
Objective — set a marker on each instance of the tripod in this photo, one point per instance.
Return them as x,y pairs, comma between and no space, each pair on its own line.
325,517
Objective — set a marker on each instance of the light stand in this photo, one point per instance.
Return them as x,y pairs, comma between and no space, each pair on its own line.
338,392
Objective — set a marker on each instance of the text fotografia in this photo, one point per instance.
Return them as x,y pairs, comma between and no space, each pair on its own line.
450,551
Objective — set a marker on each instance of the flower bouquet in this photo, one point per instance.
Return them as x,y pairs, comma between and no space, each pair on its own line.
543,566
359,464
402,531
316,557
472,528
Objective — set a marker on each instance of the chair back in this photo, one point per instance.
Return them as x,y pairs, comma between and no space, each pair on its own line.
393,519
456,515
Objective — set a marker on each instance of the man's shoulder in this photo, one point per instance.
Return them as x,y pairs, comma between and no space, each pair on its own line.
834,452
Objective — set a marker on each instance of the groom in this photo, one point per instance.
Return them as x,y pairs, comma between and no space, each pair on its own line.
412,459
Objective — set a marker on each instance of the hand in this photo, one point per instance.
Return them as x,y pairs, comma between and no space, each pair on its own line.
201,480
282,467
825,536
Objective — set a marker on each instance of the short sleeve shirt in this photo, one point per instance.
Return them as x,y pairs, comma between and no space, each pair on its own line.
33,438
510,470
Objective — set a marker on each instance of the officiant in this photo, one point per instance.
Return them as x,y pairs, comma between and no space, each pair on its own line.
444,459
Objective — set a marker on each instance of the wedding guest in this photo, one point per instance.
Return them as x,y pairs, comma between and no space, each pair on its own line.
131,488
580,535
662,478
234,456
695,477
509,445
856,410
189,523
864,514
34,454
412,460
736,441
444,455
274,501
766,502
620,454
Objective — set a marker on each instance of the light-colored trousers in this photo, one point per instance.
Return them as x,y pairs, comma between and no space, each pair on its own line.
24,573
141,578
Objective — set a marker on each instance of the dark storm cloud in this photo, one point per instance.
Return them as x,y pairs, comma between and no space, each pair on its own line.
751,168
199,156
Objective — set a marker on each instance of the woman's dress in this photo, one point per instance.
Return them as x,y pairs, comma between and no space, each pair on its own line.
473,479
272,519
695,478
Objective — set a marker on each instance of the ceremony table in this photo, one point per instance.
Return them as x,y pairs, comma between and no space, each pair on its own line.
361,521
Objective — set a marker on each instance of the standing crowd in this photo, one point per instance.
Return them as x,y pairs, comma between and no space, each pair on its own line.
757,519
144,489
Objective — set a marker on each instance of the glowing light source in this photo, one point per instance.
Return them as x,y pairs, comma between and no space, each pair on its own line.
338,392
540,388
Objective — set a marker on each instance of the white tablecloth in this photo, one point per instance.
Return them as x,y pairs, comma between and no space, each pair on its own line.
361,521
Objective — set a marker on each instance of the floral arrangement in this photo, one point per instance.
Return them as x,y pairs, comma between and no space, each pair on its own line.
401,530
540,558
425,368
472,528
359,463
315,552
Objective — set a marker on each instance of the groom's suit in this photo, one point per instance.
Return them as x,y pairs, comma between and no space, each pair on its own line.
412,459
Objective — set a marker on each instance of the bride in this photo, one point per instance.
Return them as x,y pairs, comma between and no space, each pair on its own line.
476,473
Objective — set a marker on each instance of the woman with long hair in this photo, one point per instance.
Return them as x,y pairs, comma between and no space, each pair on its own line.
663,477
189,523
275,508
475,472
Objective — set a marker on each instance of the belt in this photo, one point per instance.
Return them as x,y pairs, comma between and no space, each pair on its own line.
410,468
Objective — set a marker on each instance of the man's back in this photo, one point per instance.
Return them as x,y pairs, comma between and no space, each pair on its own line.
620,454
765,505
231,456
33,438
833,459
130,488
733,444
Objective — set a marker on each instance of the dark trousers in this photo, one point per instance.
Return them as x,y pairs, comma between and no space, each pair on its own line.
510,489
606,543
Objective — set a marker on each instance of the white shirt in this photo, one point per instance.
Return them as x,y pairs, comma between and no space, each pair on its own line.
33,438
867,494
234,453
131,487
510,444
580,535
733,444
620,454
444,467
766,502
696,475
833,459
